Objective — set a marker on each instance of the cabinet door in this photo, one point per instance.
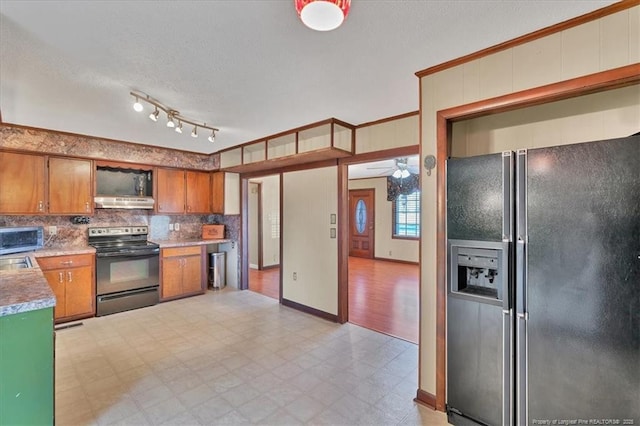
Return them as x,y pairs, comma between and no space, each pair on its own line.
70,186
171,190
79,299
192,274
56,280
217,192
171,285
198,192
22,178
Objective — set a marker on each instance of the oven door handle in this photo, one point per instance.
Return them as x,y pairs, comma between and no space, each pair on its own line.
129,253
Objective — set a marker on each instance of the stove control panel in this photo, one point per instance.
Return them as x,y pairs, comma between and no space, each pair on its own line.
118,230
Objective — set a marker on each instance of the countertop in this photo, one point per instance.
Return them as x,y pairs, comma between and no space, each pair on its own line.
24,290
190,242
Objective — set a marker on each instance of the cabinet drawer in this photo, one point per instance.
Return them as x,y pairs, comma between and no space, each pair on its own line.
181,251
70,261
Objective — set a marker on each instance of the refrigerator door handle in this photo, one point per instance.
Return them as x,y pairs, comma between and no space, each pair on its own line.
507,195
521,301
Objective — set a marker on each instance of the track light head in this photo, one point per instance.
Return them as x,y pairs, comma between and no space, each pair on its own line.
137,106
170,122
194,132
212,136
154,115
179,127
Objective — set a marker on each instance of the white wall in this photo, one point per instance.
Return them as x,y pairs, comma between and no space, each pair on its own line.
388,134
604,115
309,198
607,43
253,237
386,247
270,188
270,220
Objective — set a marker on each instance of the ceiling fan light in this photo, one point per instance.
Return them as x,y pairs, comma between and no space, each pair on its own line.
322,15
397,174
405,173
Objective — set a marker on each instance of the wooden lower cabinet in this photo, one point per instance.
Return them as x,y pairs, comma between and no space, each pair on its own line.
182,272
72,279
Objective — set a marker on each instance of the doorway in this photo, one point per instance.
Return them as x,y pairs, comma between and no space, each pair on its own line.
263,213
383,230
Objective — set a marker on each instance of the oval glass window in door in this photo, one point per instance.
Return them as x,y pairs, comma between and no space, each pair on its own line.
361,216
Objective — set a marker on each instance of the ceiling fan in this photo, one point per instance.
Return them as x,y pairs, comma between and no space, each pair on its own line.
400,168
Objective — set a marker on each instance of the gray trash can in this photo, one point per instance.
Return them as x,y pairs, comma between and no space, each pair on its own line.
217,270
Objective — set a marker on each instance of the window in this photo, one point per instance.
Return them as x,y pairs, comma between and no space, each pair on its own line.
406,216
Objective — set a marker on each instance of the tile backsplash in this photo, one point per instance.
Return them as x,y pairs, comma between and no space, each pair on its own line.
72,234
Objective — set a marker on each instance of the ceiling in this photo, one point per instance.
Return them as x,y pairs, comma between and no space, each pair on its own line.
249,68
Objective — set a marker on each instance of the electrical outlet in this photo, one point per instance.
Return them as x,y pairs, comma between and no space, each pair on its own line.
53,230
171,227
176,226
295,276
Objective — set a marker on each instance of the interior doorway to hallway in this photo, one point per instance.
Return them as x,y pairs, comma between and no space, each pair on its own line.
263,212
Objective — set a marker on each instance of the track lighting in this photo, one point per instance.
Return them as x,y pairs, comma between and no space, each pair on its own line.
137,106
172,115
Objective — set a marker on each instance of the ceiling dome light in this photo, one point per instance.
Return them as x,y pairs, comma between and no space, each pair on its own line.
194,132
137,106
170,122
154,115
322,15
179,127
212,136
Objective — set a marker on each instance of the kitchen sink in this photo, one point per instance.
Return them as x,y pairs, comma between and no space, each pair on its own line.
9,263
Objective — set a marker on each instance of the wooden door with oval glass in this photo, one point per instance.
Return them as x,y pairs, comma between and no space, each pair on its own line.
361,222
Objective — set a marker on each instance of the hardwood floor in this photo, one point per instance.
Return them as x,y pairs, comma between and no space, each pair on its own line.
265,282
383,296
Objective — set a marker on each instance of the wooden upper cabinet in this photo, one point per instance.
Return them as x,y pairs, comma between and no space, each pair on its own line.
217,192
170,190
22,183
198,192
70,186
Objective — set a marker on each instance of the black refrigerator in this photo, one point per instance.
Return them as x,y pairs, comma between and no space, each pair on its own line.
543,286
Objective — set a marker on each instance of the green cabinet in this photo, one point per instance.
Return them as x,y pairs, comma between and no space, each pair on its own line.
26,368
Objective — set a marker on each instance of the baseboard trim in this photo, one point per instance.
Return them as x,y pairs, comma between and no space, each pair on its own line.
276,266
309,310
426,398
385,259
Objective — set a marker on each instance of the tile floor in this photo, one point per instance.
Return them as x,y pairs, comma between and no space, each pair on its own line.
233,357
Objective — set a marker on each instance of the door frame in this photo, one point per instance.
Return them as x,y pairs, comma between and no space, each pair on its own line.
580,86
372,226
